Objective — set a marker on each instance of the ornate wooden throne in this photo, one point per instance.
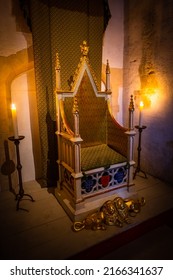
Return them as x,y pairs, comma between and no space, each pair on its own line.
95,153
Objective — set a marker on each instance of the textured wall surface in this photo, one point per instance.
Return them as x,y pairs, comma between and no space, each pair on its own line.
148,64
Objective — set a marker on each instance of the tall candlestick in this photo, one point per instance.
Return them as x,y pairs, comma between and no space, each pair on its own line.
21,193
140,113
14,118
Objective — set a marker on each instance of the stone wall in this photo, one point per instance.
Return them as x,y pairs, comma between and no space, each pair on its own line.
148,74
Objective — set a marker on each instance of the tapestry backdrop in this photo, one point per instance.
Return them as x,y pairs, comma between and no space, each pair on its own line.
61,26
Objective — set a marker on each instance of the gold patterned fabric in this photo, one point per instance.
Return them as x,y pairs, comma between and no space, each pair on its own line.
96,125
92,114
60,26
99,156
116,137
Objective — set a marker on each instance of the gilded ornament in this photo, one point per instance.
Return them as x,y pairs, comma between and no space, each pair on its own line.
108,68
75,106
84,48
131,105
114,212
57,66
110,214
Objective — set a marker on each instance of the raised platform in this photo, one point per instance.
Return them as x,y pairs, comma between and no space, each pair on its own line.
79,211
45,231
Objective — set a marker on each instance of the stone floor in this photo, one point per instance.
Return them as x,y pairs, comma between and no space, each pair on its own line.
45,231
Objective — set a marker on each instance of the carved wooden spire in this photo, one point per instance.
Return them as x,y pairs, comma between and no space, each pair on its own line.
131,105
131,110
75,106
76,117
57,72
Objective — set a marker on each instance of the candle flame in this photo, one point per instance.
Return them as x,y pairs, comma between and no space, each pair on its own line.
141,105
13,106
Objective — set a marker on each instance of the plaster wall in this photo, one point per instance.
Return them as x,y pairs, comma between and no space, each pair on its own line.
20,91
113,44
148,75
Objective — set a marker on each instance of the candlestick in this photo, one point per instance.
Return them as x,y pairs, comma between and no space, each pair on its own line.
14,118
21,193
140,113
138,168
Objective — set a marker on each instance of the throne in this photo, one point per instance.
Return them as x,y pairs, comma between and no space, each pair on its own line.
95,153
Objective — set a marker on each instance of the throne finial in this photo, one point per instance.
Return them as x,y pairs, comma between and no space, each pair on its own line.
131,105
84,48
57,65
108,76
57,71
76,117
131,110
107,67
75,106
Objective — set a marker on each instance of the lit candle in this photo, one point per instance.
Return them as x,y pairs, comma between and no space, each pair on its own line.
141,105
14,118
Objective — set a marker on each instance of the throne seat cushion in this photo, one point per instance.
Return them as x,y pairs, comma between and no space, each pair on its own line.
99,156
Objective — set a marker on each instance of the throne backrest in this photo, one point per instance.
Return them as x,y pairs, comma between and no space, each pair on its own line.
92,113
86,111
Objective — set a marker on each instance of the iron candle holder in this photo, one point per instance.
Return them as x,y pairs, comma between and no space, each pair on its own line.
21,193
138,168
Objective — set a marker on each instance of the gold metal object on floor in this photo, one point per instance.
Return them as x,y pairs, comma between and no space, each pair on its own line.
112,213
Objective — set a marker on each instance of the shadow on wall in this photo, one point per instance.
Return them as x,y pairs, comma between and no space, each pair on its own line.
52,166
